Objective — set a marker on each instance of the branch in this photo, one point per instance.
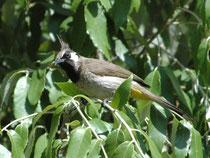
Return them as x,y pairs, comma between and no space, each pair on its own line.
127,127
76,104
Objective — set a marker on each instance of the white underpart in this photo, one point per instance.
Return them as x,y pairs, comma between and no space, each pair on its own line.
100,86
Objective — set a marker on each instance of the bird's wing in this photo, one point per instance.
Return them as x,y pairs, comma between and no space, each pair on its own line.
103,68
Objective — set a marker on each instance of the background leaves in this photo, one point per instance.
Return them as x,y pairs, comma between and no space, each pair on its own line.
166,43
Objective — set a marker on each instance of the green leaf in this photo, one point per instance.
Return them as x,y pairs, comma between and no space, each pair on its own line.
36,86
183,139
106,4
157,130
153,79
196,145
40,146
203,63
17,144
96,26
173,133
75,5
80,142
56,8
92,110
153,148
100,127
4,152
69,88
120,11
8,85
54,91
22,130
21,104
124,150
95,148
123,53
115,138
121,95
177,87
207,12
78,32
135,4
53,129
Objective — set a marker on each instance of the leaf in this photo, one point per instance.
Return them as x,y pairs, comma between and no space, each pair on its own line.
80,142
54,91
196,145
153,148
183,139
94,151
122,93
203,64
53,129
56,8
135,4
96,26
78,32
124,150
207,12
156,130
92,110
40,146
106,4
17,144
115,138
123,53
69,88
153,79
4,152
22,130
21,104
8,85
120,11
36,86
100,127
177,87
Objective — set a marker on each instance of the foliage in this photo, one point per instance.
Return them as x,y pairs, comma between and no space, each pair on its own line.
165,42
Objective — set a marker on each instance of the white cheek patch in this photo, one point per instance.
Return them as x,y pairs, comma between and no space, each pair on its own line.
74,57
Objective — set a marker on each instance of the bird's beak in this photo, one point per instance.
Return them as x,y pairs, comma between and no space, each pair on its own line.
58,61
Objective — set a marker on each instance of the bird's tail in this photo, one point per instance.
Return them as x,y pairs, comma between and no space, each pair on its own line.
142,93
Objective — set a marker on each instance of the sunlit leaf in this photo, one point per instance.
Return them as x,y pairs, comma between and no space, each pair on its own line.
80,141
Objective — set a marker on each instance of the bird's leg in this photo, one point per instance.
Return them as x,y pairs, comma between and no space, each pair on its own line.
106,101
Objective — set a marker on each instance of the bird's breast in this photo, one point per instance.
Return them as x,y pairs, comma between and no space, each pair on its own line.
98,86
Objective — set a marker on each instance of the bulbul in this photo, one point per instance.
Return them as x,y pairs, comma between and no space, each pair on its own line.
100,79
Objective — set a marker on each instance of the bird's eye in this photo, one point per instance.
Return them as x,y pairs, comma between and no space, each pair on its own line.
67,54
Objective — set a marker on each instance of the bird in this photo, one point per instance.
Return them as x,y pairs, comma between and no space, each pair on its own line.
100,79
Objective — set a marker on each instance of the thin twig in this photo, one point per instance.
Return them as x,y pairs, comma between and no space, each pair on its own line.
127,127
76,104
17,120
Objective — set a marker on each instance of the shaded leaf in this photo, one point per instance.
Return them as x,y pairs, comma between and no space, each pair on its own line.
183,139
120,11
96,26
53,129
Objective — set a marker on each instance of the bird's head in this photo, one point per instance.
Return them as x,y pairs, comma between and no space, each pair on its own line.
66,55
69,61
